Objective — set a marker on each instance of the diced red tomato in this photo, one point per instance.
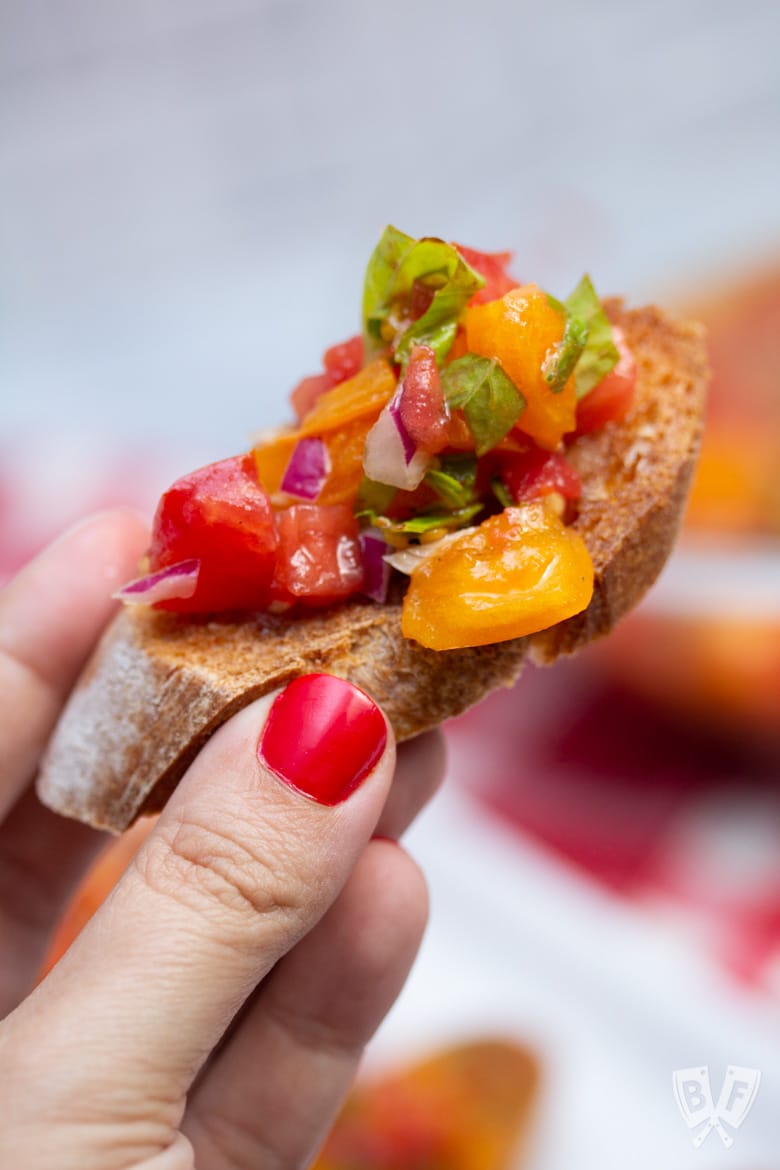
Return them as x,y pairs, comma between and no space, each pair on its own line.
534,473
420,300
221,515
319,554
611,400
491,265
423,407
308,391
341,361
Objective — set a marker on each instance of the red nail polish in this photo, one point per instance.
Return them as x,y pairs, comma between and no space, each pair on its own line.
322,737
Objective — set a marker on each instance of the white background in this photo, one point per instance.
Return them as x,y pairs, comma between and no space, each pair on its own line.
190,188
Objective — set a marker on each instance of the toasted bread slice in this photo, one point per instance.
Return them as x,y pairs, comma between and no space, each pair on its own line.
159,685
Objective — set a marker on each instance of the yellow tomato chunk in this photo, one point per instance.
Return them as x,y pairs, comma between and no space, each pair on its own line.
342,417
358,397
523,332
518,572
271,459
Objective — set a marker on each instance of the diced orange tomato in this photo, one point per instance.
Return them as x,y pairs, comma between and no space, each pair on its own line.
358,397
358,400
521,331
271,459
518,572
345,448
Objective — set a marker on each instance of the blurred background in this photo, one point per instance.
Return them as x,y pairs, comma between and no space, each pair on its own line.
190,190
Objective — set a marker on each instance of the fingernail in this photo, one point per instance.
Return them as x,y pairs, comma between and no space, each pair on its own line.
322,737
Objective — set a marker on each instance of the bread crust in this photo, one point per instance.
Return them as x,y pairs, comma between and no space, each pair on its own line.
159,685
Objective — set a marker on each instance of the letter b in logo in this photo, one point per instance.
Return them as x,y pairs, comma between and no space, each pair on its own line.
695,1099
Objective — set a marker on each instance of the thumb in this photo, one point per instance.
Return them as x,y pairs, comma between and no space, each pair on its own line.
250,852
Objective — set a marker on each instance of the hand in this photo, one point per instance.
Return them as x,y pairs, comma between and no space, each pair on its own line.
214,1010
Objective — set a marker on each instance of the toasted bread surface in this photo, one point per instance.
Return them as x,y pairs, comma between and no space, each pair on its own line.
159,685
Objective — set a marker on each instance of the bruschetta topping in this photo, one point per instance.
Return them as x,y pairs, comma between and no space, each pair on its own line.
441,432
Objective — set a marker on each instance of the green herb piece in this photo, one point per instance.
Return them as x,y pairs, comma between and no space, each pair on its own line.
600,354
501,492
427,521
378,286
559,367
373,498
397,263
489,399
453,479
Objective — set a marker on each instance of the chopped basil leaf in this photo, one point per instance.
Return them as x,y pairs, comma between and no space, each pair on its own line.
559,367
439,322
489,399
600,354
378,285
373,498
398,262
501,492
454,478
418,525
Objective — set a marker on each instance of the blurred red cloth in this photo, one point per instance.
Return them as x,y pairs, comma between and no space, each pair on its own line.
672,816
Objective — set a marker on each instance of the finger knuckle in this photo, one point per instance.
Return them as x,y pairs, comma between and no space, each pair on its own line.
216,869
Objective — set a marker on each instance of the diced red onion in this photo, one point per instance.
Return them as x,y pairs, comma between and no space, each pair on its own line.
407,442
307,470
390,456
376,571
175,583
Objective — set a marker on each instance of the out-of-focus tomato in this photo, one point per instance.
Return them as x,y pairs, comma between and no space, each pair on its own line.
518,572
306,393
491,265
534,473
221,515
423,408
319,554
341,362
522,331
345,359
611,400
466,1108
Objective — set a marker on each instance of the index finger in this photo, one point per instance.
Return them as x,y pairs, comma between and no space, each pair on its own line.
51,615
